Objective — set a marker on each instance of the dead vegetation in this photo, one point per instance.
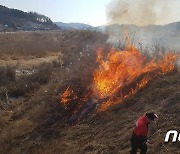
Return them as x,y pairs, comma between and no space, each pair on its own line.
110,131
25,45
34,121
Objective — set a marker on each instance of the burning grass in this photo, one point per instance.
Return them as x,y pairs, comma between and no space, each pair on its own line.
120,74
124,73
110,131
37,123
31,97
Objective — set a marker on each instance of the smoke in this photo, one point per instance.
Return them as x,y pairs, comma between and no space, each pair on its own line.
140,12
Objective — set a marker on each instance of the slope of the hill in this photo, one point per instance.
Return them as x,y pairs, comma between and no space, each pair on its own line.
39,127
110,131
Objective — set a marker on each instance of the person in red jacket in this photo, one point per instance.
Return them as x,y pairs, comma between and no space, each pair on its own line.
140,132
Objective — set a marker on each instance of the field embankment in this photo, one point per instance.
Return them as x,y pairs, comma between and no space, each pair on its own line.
32,119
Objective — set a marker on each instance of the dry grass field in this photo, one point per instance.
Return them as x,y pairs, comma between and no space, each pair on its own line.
36,67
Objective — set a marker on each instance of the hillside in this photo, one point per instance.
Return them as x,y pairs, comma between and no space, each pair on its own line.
33,119
109,132
13,19
38,126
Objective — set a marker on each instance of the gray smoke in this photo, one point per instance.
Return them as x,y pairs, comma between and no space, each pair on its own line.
141,12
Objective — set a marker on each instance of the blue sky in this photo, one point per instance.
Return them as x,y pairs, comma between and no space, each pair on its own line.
91,12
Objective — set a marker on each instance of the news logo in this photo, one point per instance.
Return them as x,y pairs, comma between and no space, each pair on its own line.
176,136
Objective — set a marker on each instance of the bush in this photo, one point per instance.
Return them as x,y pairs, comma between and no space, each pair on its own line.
7,75
18,85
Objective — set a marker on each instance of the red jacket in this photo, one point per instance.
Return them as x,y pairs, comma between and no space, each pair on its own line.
141,128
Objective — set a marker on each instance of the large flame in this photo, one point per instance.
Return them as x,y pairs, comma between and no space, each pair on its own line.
119,68
117,73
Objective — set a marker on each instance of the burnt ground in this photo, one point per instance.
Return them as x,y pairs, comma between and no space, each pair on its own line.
40,124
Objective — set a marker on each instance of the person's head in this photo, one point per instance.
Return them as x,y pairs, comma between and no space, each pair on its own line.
151,116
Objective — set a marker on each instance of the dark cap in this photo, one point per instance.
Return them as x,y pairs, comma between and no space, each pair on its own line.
151,115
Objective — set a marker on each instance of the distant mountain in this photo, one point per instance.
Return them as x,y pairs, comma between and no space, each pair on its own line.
71,26
13,19
171,27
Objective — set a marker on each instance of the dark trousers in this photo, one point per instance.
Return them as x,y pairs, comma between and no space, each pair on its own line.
138,143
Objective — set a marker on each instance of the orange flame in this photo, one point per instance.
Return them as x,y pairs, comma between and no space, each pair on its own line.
66,97
122,68
120,75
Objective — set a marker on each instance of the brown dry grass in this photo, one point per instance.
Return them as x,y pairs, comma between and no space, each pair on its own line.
23,45
110,131
36,122
31,97
39,126
33,44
